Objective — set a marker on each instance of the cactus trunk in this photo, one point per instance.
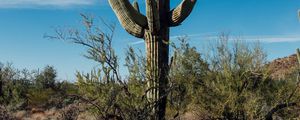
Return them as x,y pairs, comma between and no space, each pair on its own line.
157,46
157,70
154,29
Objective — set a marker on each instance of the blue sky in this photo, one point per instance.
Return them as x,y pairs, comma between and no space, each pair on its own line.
23,24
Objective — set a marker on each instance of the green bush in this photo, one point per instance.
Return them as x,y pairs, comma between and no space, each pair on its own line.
39,98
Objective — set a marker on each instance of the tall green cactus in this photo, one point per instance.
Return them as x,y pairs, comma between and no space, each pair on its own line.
154,29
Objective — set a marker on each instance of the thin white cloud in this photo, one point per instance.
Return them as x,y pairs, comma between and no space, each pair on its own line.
275,38
249,38
43,3
204,35
261,38
137,42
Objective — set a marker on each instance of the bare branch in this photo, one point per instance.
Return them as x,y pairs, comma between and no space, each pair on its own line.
277,108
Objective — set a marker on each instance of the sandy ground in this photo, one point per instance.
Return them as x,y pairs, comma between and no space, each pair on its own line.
51,114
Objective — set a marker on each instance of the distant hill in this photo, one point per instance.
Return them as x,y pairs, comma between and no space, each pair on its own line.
282,67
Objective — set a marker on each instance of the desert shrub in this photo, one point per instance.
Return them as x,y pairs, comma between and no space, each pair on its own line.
15,86
8,76
235,74
5,114
66,87
187,70
46,79
237,84
39,98
110,96
111,101
70,112
21,88
230,81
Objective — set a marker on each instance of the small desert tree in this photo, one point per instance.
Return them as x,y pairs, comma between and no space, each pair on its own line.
114,96
46,79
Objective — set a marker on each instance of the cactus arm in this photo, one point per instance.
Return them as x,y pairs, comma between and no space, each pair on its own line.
181,12
152,16
126,8
136,6
132,21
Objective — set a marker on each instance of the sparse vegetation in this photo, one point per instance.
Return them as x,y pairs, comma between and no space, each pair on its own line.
232,80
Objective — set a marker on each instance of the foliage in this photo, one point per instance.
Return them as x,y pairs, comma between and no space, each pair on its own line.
5,114
22,89
46,79
110,96
39,97
15,85
229,81
237,85
70,112
186,76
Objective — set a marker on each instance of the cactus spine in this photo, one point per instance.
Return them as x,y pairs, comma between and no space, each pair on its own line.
154,29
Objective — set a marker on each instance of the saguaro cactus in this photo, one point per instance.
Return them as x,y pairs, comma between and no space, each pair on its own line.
154,29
